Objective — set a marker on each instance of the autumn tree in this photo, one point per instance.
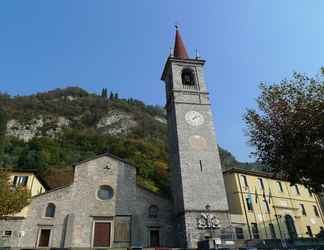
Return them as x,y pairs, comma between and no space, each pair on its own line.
288,129
13,199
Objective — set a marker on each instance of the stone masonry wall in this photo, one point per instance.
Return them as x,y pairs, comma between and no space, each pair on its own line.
78,206
87,207
36,217
164,221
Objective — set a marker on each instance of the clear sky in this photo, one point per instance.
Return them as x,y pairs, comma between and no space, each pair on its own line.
122,45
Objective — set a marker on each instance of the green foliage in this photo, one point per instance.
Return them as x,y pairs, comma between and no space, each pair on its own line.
3,126
13,199
144,146
3,122
288,130
229,161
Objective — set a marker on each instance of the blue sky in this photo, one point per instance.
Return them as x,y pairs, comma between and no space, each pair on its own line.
122,45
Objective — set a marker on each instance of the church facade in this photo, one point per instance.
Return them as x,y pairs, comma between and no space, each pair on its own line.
104,207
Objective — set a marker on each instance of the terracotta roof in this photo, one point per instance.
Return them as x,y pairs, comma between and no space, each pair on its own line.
179,47
254,172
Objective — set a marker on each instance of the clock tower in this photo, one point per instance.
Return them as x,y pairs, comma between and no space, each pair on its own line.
200,203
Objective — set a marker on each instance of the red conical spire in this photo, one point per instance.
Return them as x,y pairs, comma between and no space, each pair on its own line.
179,48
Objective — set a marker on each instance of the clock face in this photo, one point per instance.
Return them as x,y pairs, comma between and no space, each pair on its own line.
194,118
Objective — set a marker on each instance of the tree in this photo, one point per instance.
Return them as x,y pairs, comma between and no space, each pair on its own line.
13,199
3,128
104,93
288,131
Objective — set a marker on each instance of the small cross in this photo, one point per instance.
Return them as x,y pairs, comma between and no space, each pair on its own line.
107,167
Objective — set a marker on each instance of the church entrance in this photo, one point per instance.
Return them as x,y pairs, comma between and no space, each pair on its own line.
154,238
44,237
101,234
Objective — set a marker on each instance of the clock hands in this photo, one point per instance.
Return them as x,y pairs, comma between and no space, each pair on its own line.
194,118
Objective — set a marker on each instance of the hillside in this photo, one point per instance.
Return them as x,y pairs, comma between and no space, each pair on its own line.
50,131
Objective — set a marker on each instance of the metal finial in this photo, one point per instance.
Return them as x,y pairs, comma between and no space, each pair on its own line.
197,54
176,26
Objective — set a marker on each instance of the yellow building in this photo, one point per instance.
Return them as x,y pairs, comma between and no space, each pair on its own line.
29,179
265,207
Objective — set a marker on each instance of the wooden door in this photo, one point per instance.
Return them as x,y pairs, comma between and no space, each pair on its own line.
154,238
101,236
44,238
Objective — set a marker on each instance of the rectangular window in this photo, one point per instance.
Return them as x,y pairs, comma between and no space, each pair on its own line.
297,190
280,187
20,180
255,231
244,180
8,233
309,231
272,231
15,180
249,203
239,233
266,206
261,184
315,211
302,208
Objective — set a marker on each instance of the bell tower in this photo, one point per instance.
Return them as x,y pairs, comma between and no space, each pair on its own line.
200,202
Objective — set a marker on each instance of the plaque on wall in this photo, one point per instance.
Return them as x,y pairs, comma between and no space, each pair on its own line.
122,231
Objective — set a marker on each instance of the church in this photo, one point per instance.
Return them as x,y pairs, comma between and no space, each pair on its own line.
104,207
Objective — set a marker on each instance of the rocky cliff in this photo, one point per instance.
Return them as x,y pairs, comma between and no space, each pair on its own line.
50,131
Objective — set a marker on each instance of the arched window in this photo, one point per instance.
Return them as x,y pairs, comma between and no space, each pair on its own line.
50,210
153,211
188,77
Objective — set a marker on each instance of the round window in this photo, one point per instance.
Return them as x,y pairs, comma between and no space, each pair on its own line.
105,192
